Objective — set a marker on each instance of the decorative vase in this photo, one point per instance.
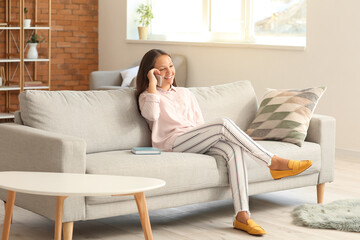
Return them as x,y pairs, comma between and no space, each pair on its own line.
143,33
32,53
27,23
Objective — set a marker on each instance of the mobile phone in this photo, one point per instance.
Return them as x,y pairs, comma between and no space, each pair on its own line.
159,80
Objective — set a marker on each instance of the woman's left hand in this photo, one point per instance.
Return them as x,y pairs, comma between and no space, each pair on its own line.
152,79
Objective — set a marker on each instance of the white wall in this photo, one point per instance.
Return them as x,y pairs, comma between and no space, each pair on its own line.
331,58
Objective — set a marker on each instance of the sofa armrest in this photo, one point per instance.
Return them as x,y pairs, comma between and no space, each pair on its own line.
99,79
322,131
24,148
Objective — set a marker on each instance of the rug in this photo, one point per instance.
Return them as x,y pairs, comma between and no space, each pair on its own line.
343,215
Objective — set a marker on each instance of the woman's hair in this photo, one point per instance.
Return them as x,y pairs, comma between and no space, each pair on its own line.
147,63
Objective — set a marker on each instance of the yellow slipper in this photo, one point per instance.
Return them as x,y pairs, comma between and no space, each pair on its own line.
251,228
296,167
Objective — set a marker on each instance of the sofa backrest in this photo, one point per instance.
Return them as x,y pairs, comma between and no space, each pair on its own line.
106,120
236,100
110,120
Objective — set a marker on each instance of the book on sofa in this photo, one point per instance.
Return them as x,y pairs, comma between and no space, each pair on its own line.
145,150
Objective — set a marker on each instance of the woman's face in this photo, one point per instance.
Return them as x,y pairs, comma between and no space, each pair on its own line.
167,70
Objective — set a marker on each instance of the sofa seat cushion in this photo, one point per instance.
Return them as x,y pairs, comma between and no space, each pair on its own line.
187,171
308,151
181,171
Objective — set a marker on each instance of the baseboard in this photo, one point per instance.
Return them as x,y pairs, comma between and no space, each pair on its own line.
347,153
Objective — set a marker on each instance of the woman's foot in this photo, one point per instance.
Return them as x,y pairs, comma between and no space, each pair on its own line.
242,216
244,223
279,164
281,167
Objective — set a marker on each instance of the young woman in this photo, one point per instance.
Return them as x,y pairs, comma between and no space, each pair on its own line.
177,124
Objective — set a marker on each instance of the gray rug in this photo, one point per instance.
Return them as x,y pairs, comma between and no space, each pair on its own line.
343,215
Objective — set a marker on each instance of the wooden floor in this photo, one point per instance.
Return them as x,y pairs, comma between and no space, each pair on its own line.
210,220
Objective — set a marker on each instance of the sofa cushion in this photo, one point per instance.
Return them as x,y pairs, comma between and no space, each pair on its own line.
236,101
181,171
284,115
106,120
187,171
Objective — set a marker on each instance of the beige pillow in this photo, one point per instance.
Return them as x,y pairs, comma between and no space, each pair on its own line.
128,76
284,115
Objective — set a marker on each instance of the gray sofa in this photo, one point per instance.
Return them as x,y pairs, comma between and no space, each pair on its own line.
91,132
110,80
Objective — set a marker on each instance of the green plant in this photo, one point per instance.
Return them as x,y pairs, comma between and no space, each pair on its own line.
26,11
35,38
145,14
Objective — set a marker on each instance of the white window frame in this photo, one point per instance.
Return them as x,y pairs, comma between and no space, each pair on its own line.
209,38
246,23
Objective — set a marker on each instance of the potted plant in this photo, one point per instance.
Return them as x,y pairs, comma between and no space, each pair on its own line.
33,42
27,21
144,19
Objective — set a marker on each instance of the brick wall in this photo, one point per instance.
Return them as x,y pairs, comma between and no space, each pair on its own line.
74,45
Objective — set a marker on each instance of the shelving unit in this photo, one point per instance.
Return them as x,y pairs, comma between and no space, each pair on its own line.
17,67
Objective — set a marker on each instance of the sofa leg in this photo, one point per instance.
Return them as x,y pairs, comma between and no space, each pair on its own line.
320,192
68,230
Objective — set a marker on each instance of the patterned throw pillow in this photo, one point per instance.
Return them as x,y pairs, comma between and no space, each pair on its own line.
284,115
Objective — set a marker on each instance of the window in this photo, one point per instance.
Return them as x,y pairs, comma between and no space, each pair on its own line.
225,16
245,21
280,17
177,16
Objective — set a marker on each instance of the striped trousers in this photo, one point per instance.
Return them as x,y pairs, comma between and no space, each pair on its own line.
223,137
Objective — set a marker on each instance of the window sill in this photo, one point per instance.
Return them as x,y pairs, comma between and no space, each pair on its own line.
299,46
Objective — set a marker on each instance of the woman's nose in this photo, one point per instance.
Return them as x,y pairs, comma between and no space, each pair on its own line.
168,71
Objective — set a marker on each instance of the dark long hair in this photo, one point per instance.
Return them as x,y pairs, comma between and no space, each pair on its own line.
147,63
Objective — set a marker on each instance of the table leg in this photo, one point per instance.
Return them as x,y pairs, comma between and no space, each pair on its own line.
68,228
58,218
8,214
144,215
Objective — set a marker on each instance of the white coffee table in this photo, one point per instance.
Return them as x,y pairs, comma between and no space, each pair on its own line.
63,185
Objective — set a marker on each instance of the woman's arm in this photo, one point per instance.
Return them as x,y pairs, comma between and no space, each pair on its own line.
149,100
149,104
197,111
152,80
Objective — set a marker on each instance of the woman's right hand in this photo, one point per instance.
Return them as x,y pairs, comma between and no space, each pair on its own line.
152,79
